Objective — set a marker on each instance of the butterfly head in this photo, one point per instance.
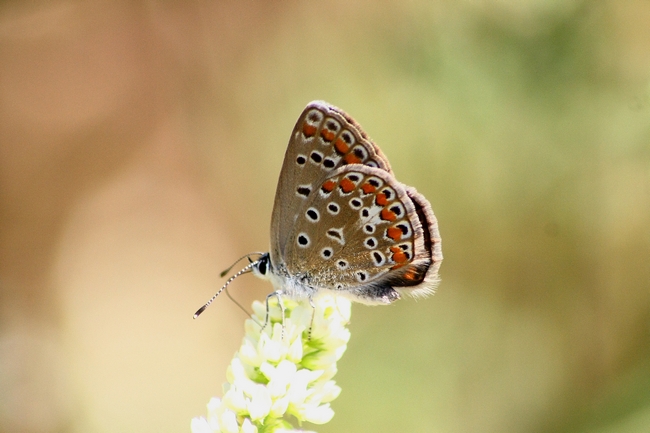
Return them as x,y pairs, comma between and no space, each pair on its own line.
262,267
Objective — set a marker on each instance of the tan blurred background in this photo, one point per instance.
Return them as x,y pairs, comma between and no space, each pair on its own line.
140,145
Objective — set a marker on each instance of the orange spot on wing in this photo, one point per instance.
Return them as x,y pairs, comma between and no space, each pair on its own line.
347,185
394,233
308,130
398,255
410,274
388,215
351,158
341,146
327,135
381,199
367,188
329,185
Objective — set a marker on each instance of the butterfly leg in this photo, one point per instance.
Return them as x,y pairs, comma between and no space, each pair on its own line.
278,294
313,313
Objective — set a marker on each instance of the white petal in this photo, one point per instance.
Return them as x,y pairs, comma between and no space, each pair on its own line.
269,349
302,315
297,392
252,329
286,369
236,371
328,373
247,427
340,351
329,391
343,308
234,399
279,407
238,376
319,361
213,404
282,376
228,422
277,388
248,353
319,415
214,409
200,425
259,309
260,403
267,370
295,351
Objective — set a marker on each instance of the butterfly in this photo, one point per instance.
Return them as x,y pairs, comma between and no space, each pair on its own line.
342,223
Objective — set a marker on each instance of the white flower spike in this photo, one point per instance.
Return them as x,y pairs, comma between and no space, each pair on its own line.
282,375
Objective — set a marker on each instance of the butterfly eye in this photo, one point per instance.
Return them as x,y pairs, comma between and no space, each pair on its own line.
262,267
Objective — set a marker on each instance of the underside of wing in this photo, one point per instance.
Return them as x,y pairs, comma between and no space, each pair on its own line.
363,234
323,140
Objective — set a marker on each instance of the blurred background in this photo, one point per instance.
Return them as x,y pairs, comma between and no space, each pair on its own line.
140,145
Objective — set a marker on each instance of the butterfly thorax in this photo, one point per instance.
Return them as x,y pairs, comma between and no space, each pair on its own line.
296,286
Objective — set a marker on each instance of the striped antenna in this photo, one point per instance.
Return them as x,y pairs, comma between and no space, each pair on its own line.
248,268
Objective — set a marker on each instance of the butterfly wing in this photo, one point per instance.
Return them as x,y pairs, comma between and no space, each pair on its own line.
324,139
364,234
